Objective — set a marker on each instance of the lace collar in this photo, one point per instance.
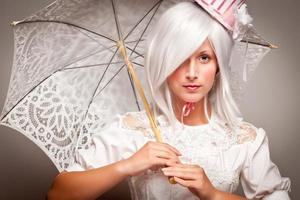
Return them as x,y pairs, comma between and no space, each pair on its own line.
163,122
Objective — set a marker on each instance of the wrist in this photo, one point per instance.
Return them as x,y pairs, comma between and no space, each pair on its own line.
214,194
123,168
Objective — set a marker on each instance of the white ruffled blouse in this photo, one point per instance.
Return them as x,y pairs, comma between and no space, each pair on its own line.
226,157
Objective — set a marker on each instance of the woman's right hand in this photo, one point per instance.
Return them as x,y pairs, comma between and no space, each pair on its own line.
151,156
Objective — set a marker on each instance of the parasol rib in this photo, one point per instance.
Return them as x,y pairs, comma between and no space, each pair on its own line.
136,44
159,2
94,93
136,81
67,23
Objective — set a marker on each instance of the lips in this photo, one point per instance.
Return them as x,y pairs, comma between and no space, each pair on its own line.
192,87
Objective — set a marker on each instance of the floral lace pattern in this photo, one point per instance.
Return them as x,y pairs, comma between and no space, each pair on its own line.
203,145
55,116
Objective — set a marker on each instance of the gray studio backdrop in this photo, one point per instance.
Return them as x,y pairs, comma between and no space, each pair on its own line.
271,101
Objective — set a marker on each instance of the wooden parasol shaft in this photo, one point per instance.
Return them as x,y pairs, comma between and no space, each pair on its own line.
139,87
143,97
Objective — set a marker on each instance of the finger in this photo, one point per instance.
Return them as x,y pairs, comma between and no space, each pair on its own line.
188,167
159,146
194,170
164,151
183,174
161,162
165,146
172,148
172,162
185,183
177,165
165,154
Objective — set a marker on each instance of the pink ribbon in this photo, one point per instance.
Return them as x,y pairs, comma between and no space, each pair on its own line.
187,108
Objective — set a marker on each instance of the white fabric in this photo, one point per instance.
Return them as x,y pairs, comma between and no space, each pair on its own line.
227,157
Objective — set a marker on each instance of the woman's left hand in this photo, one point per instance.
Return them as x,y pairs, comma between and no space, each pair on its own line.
194,178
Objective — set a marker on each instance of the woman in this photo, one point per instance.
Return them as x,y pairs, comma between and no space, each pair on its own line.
208,149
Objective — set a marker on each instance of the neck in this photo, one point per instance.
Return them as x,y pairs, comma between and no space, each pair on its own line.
196,116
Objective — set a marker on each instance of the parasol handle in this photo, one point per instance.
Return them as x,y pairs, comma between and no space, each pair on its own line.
138,84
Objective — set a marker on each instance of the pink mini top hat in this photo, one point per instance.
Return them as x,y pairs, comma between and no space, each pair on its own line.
222,10
249,47
233,15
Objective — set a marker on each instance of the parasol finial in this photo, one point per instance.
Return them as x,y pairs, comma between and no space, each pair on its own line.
14,23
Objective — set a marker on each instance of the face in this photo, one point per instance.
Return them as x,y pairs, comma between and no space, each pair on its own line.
194,78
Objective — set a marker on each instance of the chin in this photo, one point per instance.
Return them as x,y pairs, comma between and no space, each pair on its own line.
192,99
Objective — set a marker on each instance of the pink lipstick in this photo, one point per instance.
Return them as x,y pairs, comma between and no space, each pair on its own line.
191,87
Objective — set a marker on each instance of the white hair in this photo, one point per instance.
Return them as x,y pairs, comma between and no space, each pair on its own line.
178,34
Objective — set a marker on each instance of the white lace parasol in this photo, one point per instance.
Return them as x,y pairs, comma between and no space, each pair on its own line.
68,78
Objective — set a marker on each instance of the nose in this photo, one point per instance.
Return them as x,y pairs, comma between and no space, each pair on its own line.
191,72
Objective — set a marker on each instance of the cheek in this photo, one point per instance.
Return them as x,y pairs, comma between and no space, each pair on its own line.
209,74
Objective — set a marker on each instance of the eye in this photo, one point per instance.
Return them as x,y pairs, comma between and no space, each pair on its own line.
204,58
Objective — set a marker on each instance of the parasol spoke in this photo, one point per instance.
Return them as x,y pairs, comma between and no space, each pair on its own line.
117,20
133,51
133,89
137,82
67,23
266,44
157,5
99,65
94,94
132,85
17,103
99,82
140,38
84,33
128,42
138,64
159,2
119,70
76,27
46,78
93,65
83,57
136,44
121,39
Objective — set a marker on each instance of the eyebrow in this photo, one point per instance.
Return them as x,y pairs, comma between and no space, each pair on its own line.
205,51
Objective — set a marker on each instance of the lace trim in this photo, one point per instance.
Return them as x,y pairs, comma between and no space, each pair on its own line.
247,133
222,138
136,121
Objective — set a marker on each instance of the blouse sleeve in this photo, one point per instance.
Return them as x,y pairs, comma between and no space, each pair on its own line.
108,146
260,177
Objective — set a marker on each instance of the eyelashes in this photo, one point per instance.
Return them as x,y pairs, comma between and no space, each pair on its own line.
204,58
